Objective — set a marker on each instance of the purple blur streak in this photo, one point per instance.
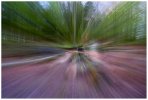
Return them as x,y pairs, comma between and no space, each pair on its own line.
114,74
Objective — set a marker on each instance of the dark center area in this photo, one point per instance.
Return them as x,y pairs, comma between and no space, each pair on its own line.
80,49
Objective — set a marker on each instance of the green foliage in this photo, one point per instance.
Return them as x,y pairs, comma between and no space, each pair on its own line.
124,24
72,24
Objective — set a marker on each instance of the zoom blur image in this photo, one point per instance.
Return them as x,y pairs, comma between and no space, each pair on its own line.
73,49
